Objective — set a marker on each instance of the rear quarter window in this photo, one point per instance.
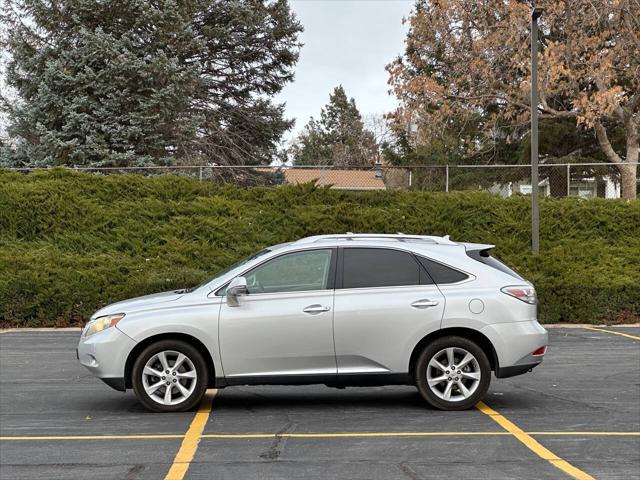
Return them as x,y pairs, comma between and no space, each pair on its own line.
442,274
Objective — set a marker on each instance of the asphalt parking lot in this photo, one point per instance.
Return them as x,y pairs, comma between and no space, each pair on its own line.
576,416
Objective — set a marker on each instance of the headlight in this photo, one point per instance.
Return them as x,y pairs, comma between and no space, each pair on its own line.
101,323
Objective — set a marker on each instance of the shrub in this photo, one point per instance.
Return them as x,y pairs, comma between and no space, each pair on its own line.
71,243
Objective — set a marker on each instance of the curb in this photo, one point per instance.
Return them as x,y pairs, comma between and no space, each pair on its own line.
42,329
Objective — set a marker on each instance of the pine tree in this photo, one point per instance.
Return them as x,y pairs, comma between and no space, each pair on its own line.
339,138
136,82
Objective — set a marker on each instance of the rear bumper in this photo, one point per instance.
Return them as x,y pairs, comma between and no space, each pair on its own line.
506,372
514,343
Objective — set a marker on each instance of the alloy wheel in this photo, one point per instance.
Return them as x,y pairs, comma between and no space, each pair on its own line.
169,377
453,374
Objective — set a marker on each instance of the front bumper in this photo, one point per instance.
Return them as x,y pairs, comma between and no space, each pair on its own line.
514,343
105,354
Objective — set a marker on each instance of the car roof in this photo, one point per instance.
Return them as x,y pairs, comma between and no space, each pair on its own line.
374,238
417,243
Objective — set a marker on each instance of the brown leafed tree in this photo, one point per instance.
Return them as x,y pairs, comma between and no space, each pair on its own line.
469,57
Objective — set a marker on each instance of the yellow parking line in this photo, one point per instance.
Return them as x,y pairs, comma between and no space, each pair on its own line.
533,444
633,337
407,434
191,439
231,436
351,435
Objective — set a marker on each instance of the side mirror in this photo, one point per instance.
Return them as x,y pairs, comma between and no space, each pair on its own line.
236,288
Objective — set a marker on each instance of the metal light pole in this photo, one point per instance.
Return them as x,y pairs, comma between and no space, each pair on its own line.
535,215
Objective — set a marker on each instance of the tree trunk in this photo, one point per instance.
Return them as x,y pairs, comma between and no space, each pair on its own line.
629,173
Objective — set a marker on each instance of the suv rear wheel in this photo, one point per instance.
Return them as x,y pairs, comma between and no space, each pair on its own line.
453,373
169,376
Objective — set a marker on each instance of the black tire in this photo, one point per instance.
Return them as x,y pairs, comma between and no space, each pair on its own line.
198,363
435,348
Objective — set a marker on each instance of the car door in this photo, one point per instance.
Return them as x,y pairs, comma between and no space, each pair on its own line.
284,325
384,304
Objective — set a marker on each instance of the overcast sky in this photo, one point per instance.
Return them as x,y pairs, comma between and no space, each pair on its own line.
346,42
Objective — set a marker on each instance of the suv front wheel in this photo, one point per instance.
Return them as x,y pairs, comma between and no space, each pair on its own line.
453,373
169,376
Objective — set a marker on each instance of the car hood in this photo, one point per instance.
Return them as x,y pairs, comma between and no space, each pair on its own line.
139,303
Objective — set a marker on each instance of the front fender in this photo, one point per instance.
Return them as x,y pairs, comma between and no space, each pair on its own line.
198,321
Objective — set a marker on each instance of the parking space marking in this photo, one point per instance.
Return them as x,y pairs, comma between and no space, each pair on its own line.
410,434
231,436
532,444
613,332
351,435
191,439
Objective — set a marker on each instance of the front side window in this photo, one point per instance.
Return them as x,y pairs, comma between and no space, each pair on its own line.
293,272
379,267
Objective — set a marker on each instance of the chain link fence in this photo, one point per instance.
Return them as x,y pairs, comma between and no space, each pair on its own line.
585,180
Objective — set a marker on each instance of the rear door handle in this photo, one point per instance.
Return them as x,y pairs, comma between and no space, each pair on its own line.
424,303
313,309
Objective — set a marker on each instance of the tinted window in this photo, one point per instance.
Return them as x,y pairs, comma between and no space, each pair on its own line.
377,267
293,272
440,273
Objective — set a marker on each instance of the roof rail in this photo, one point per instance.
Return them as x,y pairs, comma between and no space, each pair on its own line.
400,237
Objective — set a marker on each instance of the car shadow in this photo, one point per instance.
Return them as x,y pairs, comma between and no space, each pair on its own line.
279,398
239,398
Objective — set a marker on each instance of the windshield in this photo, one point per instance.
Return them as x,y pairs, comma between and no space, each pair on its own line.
228,269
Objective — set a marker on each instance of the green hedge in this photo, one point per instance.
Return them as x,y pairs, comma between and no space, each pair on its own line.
71,243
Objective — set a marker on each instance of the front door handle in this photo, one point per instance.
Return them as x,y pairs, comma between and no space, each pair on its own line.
424,303
313,309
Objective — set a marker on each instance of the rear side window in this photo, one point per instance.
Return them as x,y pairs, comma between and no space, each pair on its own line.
441,274
378,267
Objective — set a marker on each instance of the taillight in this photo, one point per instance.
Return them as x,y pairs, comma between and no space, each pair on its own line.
539,352
525,293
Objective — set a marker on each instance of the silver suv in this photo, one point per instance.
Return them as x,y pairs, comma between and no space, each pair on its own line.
341,310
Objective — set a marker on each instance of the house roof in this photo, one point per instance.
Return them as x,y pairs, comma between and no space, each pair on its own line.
338,179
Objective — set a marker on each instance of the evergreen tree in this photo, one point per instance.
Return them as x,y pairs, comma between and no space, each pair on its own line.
311,146
339,138
130,83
